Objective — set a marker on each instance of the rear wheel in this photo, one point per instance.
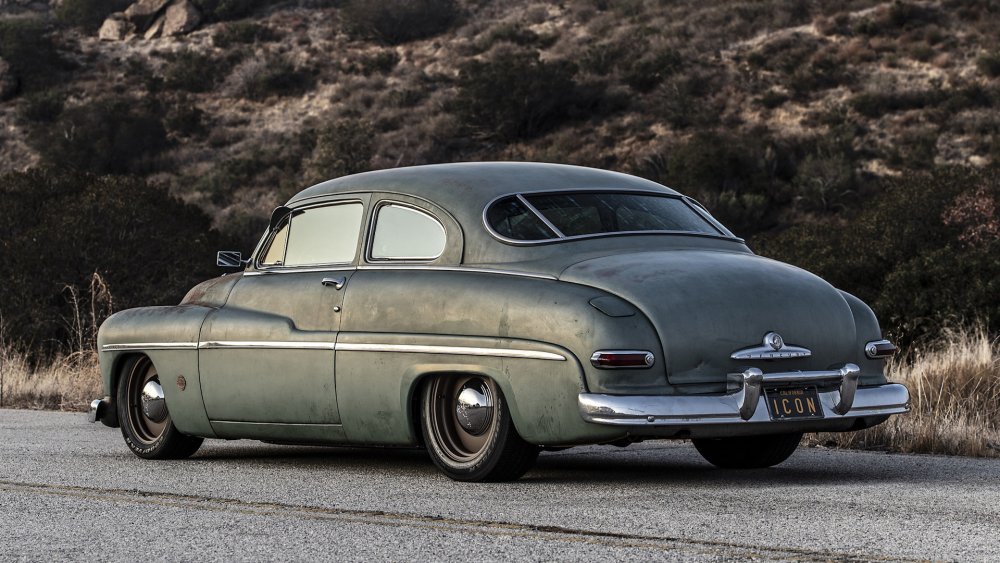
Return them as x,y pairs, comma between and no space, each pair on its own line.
469,432
142,413
749,452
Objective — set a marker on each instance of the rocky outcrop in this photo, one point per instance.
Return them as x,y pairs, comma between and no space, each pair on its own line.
115,28
150,19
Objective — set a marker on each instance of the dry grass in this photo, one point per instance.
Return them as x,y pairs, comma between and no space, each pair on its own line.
69,383
955,388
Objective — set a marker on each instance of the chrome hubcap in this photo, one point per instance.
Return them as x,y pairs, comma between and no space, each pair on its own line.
153,404
474,408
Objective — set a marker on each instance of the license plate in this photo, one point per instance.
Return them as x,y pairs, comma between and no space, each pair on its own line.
794,403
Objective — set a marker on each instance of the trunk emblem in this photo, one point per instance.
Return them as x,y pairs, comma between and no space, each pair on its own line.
773,348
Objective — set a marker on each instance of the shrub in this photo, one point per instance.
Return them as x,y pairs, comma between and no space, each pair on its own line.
878,103
224,10
274,75
58,228
192,71
514,95
184,119
42,107
648,71
26,44
346,147
989,64
379,62
88,14
243,32
114,134
398,21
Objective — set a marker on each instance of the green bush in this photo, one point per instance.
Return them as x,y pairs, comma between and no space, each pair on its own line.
58,228
114,134
399,21
515,95
88,14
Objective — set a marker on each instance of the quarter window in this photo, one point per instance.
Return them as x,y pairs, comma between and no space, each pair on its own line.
404,233
319,235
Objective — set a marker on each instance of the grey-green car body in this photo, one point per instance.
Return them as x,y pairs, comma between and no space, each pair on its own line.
336,354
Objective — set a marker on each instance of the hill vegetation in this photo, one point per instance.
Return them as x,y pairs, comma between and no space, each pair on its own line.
856,139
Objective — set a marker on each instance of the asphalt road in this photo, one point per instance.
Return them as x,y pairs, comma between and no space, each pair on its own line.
71,490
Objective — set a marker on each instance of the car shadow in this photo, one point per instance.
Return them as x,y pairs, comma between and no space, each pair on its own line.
606,465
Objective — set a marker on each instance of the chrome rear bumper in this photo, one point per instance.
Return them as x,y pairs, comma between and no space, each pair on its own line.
746,406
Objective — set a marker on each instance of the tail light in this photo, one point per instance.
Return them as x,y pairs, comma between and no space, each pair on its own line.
879,349
622,359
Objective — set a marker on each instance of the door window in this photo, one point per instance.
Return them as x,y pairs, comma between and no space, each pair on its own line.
319,235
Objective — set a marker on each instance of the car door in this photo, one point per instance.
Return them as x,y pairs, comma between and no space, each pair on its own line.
268,355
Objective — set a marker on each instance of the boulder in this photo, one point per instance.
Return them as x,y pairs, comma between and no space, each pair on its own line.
8,81
182,16
155,29
115,28
143,12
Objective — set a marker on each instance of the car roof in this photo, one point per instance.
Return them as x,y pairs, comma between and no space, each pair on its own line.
468,186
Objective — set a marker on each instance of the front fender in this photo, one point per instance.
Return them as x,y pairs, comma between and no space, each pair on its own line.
169,336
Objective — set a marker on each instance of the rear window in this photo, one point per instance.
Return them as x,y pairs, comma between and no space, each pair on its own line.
535,217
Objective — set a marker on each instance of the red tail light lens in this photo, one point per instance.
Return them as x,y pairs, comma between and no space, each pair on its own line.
622,359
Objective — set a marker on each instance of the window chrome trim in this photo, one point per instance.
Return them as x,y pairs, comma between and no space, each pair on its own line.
370,239
340,347
149,346
397,266
723,234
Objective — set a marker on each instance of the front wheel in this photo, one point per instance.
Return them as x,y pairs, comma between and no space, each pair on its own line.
142,414
469,432
749,452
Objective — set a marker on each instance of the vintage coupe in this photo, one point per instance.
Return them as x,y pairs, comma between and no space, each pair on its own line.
487,310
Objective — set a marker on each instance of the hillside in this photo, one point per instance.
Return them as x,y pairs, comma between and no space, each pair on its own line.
789,119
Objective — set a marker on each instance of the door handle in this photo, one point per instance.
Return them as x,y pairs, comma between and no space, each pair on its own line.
337,283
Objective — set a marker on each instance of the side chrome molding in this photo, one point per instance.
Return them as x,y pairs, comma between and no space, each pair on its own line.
344,347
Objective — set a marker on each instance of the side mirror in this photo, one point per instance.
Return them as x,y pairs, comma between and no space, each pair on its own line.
229,259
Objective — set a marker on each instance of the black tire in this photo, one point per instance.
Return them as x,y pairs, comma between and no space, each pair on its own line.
148,437
749,452
477,443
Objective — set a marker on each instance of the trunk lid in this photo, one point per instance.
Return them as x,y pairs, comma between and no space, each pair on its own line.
708,304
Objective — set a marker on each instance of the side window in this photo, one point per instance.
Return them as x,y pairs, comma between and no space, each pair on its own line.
275,255
320,235
404,233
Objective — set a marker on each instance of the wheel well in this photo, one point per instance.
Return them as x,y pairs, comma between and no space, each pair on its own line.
416,392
